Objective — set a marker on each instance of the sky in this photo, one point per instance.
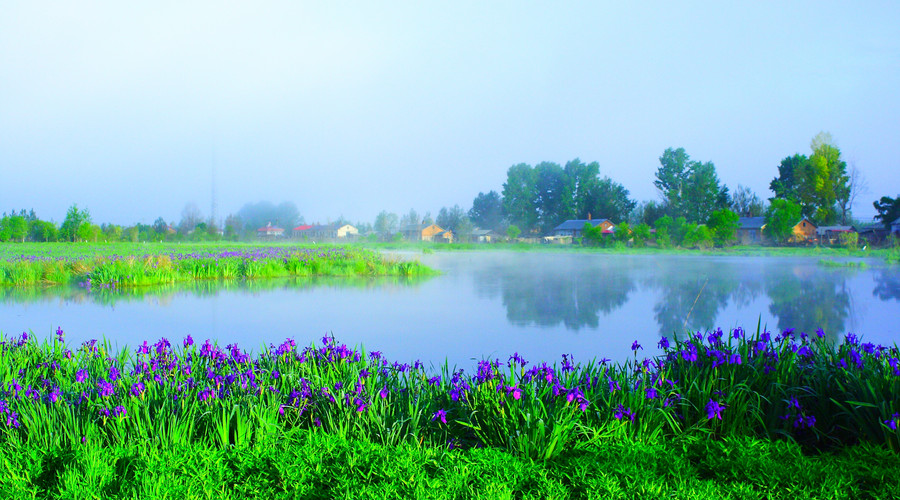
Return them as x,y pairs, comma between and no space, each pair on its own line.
134,109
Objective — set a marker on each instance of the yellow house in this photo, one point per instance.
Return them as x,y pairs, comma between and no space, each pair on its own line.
429,232
803,231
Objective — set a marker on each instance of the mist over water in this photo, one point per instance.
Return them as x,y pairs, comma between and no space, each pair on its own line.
488,304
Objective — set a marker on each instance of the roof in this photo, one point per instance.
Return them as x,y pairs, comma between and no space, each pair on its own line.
751,222
801,221
303,227
578,224
834,229
897,221
270,229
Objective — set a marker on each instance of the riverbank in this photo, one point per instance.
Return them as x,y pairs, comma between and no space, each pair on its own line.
726,413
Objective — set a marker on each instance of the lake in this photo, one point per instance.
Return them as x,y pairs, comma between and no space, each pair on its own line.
487,304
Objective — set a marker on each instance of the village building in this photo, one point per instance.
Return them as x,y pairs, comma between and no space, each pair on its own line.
750,230
269,232
895,226
479,235
831,235
575,228
804,231
426,232
872,232
301,231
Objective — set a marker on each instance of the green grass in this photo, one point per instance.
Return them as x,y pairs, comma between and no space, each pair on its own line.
318,465
145,265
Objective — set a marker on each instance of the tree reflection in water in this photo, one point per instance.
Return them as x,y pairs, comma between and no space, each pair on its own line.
887,285
572,292
810,298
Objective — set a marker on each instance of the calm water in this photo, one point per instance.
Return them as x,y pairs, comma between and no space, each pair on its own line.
487,304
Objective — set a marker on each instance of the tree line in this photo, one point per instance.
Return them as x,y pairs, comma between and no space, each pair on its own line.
694,205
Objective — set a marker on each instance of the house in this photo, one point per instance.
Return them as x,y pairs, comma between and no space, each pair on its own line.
426,232
479,235
575,227
803,231
895,226
750,230
301,231
269,232
871,232
832,234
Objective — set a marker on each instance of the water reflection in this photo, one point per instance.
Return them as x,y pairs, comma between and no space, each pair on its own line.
572,295
810,298
687,293
692,300
887,285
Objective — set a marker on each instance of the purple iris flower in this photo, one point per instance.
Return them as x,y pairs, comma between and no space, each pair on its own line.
714,410
440,414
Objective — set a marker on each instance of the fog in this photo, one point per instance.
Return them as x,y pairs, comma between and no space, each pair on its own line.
346,109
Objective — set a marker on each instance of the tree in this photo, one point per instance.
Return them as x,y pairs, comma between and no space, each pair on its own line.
408,219
455,220
622,232
647,211
826,181
781,217
13,228
858,187
690,188
190,217
723,225
553,199
160,226
786,186
513,231
72,226
746,203
42,231
385,224
640,234
663,227
519,197
671,175
257,215
609,200
111,232
487,211
819,184
888,210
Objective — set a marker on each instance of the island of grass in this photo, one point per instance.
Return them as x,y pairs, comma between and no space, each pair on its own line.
124,265
715,416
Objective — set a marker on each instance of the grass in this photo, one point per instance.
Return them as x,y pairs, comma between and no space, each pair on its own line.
318,465
737,415
65,264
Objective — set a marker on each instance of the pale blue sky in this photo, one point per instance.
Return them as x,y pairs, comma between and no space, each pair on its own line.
348,108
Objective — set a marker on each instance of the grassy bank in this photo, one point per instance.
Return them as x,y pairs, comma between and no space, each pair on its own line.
141,265
319,465
795,387
716,416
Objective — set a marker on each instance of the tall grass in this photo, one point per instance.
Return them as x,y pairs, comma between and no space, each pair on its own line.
156,269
